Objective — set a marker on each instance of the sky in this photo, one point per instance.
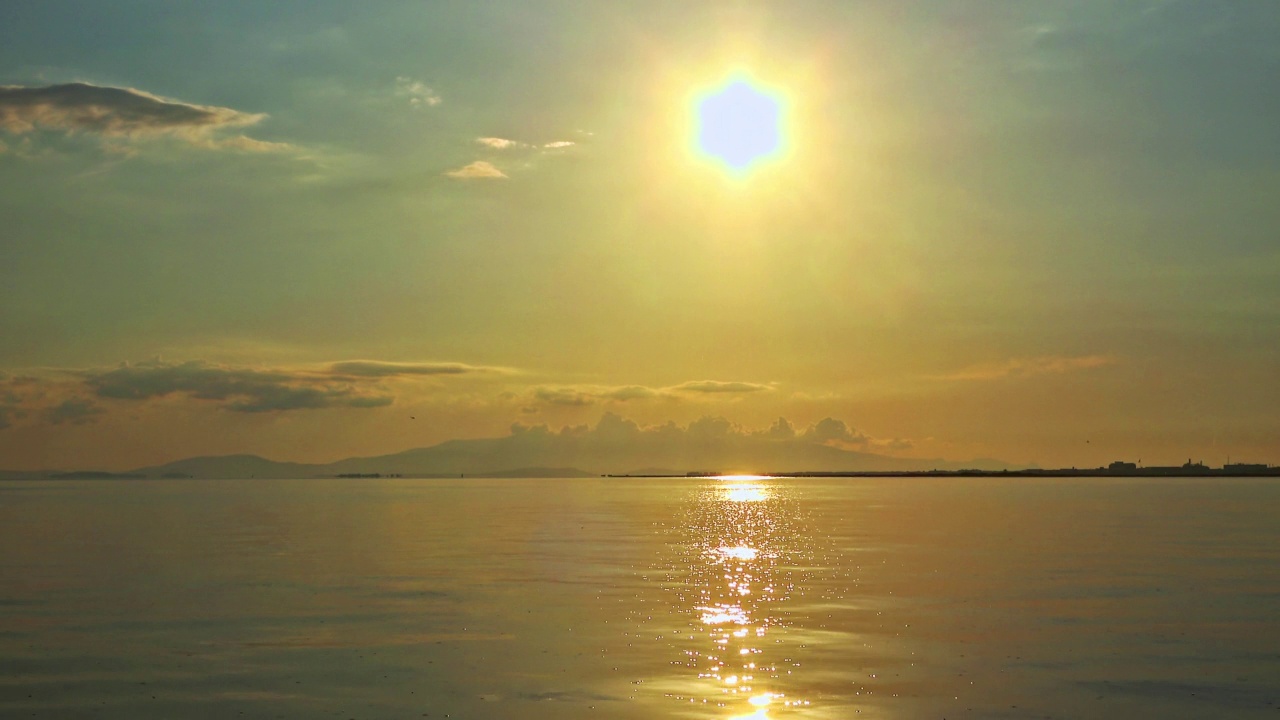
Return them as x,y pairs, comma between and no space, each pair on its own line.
1044,232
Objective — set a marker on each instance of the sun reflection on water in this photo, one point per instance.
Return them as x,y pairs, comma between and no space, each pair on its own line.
742,553
745,493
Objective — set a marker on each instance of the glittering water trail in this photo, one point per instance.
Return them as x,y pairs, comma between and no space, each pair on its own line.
740,554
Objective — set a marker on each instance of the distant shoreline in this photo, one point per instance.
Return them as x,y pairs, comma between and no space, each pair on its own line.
1189,470
1067,472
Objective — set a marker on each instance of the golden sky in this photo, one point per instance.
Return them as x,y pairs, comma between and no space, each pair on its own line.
1043,232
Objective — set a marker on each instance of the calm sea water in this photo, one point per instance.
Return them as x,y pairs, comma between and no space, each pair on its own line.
921,598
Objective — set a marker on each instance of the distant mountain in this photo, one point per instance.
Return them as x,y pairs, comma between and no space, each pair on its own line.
93,475
614,446
231,467
617,445
22,474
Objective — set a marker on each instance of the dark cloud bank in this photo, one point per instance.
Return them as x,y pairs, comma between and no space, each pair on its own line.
236,388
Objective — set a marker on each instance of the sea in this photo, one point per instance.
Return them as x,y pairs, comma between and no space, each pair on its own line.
727,598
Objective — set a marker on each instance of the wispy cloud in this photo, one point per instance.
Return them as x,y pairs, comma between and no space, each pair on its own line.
80,396
74,411
1029,367
125,113
417,93
378,368
11,400
715,386
478,170
498,143
581,395
55,401
591,394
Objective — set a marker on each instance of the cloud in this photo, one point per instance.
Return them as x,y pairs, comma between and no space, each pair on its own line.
10,410
632,392
418,94
1029,367
715,386
581,395
618,444
235,388
248,144
378,368
830,431
55,401
15,396
590,395
565,396
71,396
498,143
780,430
125,113
478,169
893,444
76,411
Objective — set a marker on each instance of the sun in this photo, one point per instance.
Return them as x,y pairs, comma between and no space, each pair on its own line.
739,125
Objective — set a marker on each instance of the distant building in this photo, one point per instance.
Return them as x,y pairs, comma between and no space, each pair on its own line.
1243,468
1120,466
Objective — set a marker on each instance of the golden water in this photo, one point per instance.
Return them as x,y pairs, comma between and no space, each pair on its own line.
608,598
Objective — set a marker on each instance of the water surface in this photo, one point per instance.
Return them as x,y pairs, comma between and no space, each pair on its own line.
612,598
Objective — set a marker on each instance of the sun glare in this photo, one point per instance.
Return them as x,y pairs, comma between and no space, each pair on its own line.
739,125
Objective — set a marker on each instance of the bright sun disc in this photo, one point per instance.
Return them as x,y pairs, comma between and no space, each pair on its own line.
738,125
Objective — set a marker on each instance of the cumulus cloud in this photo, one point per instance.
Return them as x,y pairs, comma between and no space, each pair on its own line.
829,431
559,144
1029,367
479,169
781,429
236,388
417,93
378,368
125,113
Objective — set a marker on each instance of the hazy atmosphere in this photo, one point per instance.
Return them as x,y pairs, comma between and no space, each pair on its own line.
1040,232
583,359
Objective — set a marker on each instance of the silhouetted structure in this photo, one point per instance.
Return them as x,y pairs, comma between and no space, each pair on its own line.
1244,469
